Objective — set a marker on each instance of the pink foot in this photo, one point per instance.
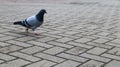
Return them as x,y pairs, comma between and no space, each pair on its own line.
37,34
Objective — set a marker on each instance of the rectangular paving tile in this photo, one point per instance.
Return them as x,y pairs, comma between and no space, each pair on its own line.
10,49
15,63
80,45
40,44
113,63
111,56
25,56
97,50
60,44
113,44
3,30
27,38
101,40
43,63
22,44
99,58
106,46
72,57
13,34
117,41
33,49
76,50
83,40
6,38
51,35
49,57
92,63
64,39
54,50
6,57
115,51
68,63
2,35
2,44
46,39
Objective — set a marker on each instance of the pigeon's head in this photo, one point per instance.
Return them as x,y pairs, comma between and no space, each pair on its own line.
40,14
43,11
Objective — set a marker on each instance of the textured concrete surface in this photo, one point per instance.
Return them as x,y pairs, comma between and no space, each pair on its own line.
76,34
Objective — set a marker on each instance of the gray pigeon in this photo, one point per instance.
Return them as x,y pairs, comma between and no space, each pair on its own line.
33,22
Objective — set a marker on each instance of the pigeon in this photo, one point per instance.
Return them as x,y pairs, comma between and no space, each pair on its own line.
32,22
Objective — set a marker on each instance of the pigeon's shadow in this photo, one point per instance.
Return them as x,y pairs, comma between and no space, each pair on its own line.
27,34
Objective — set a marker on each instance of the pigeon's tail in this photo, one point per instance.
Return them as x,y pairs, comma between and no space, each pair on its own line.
17,23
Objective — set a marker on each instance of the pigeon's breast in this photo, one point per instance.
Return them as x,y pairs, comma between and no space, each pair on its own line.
33,21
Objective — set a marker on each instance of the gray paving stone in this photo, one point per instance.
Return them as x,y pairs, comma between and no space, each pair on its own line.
13,34
6,38
71,32
46,39
68,63
106,46
101,40
113,44
111,56
2,44
25,56
99,58
97,50
55,32
80,45
115,51
25,38
65,39
22,44
9,49
70,36
50,57
1,61
15,63
54,50
116,41
40,44
3,30
92,63
32,49
83,40
51,35
6,57
60,44
113,63
43,63
72,57
104,33
76,50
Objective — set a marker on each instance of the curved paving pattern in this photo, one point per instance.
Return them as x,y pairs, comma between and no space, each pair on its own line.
76,34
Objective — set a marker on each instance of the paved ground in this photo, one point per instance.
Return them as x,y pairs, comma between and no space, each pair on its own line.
76,34
37,1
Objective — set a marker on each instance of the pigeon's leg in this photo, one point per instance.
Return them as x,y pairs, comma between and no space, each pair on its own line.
33,29
26,30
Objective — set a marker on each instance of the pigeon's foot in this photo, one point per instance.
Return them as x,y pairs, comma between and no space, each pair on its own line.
37,34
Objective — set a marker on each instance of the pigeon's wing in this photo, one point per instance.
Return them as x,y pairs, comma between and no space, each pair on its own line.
31,20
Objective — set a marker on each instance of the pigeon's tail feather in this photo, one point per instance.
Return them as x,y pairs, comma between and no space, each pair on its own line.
17,23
